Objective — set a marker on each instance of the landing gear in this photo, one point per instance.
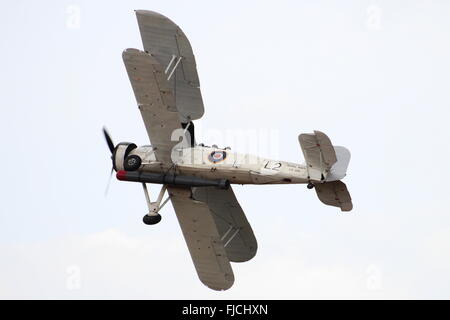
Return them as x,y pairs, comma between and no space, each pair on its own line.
310,185
153,217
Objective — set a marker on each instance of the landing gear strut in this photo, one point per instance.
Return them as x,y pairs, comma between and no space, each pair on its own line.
153,217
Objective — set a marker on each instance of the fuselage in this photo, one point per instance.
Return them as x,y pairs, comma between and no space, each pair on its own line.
215,163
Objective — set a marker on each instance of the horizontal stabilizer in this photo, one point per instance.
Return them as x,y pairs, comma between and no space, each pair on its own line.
334,194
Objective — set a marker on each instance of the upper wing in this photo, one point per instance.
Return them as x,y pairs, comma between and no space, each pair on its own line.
155,100
171,48
203,239
234,229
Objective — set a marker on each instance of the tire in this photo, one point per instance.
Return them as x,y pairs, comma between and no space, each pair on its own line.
132,163
153,219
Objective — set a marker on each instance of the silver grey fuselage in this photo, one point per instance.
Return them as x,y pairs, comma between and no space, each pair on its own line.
238,168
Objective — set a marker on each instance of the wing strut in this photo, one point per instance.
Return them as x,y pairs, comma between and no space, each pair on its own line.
174,68
232,237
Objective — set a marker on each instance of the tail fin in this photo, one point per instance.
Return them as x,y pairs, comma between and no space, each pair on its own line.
339,169
326,166
324,161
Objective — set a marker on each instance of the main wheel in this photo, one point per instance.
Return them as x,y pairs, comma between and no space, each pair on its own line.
153,219
310,185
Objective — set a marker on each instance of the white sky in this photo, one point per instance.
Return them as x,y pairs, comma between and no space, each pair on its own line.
373,75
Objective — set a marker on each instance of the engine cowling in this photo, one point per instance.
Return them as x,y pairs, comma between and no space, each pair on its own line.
120,155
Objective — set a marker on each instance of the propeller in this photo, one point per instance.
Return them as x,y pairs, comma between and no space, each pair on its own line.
110,144
108,140
109,182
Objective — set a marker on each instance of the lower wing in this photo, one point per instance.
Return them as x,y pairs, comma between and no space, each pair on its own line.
203,239
235,231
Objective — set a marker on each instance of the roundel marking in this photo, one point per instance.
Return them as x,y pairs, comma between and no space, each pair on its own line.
217,156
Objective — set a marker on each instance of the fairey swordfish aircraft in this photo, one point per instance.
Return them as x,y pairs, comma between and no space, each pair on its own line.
196,177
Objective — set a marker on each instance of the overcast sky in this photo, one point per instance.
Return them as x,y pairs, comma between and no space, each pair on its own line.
373,75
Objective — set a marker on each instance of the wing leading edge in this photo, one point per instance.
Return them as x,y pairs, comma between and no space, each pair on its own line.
155,100
171,48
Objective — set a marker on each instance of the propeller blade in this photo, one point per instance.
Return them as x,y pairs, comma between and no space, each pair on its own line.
109,182
108,140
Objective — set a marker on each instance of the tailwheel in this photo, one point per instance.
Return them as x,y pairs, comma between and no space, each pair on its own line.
151,219
310,185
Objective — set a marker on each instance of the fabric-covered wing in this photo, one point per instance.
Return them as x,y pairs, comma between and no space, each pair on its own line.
203,240
171,48
232,224
155,100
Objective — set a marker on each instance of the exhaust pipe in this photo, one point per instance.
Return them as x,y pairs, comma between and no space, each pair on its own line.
171,179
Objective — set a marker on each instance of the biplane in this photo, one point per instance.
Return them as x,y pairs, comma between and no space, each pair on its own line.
196,177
